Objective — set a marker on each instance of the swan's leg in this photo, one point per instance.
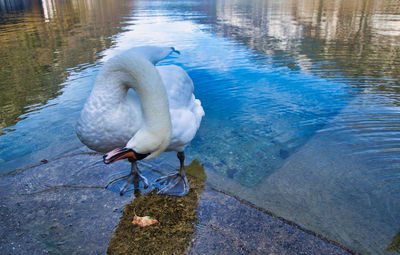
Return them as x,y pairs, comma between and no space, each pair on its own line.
176,183
134,177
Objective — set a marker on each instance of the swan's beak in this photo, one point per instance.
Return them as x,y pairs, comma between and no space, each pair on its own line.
117,154
122,153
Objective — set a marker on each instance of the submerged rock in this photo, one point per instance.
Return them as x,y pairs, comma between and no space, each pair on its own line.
62,208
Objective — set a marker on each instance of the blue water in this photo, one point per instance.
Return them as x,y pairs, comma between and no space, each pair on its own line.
273,86
251,101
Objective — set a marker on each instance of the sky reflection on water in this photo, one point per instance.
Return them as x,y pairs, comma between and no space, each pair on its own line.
277,79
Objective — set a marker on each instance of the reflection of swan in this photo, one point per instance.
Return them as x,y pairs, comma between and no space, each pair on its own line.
159,114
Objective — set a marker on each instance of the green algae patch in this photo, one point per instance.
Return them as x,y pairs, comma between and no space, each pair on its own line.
196,170
395,244
176,215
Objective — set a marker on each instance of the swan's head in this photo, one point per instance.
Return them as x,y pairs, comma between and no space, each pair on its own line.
144,145
122,153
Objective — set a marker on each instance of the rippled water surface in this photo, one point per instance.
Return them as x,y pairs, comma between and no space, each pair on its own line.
302,98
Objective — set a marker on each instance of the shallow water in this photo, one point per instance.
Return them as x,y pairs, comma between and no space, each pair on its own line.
278,80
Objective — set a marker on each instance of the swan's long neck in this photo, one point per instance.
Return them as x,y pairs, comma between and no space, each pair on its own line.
138,73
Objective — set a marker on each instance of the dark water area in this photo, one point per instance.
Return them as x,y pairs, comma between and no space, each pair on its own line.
301,97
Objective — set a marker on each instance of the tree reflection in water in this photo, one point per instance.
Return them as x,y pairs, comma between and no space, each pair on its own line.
41,40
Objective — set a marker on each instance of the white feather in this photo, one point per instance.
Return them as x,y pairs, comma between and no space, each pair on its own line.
137,105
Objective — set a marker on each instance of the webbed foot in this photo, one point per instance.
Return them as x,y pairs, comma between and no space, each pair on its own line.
134,177
175,184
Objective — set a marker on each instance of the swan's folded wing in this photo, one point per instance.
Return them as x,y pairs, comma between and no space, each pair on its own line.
185,110
178,85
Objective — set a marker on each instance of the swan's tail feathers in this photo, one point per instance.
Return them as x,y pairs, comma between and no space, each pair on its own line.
198,110
153,53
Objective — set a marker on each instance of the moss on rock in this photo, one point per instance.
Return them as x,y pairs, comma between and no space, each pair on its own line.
176,216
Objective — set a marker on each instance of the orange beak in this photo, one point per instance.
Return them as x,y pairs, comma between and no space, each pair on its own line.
122,153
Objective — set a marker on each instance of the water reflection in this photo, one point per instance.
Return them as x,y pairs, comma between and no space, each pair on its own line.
352,162
301,97
13,5
354,39
35,56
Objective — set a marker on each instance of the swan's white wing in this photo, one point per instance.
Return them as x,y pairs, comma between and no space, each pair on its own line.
178,85
185,124
186,111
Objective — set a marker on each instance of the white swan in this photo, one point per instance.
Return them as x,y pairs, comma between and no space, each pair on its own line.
159,113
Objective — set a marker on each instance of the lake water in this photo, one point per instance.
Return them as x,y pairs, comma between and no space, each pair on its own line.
302,97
